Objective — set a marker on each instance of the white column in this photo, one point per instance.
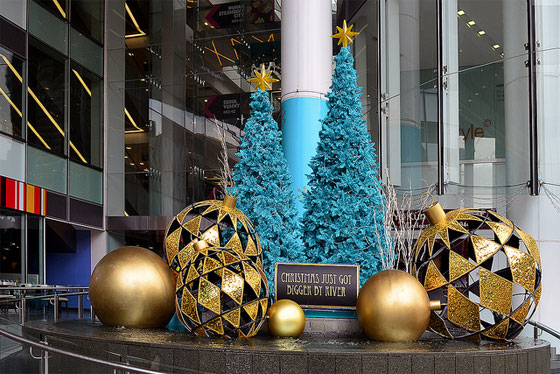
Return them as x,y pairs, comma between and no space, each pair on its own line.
306,78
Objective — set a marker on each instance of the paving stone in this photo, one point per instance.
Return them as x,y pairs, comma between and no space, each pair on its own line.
375,363
266,363
185,360
321,364
522,359
423,364
498,364
464,363
481,364
399,364
293,364
348,364
445,364
511,363
239,362
212,361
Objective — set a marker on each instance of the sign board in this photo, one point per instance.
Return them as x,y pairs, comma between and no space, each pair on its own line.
318,285
232,14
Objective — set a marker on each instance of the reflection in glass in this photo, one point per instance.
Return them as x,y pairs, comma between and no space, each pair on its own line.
15,11
410,103
87,16
34,249
86,183
46,170
86,116
486,100
48,27
11,232
57,7
11,94
46,97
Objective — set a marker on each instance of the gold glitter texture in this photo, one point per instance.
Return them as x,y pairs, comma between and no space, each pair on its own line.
253,278
232,285
522,266
499,331
210,209
229,258
503,232
437,324
483,248
531,245
209,295
264,305
537,295
212,236
252,309
233,317
193,226
251,249
200,332
458,266
186,255
188,306
210,264
521,313
192,274
461,311
434,279
216,325
172,244
182,214
235,244
495,292
501,218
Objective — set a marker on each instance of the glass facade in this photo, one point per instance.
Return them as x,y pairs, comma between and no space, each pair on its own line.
51,125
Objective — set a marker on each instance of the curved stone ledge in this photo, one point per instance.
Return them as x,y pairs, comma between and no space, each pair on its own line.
182,353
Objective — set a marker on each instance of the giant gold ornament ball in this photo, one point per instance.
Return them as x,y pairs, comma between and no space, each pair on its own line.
393,306
485,269
286,319
132,287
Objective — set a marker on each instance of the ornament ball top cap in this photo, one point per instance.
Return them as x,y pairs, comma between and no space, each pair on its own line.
344,34
263,79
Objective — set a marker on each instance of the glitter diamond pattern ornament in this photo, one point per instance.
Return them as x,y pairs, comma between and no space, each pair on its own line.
474,262
219,223
221,293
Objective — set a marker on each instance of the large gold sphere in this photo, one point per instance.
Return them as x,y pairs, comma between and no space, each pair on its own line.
132,287
286,318
393,306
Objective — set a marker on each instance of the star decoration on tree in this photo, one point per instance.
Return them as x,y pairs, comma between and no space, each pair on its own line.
344,34
263,79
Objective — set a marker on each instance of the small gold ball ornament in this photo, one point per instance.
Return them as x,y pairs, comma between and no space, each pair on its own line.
393,306
132,287
286,319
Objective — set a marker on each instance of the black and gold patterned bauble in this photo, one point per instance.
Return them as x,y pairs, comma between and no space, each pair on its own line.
218,222
484,270
221,293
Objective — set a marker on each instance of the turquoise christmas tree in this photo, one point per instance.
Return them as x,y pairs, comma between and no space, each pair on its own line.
343,206
263,183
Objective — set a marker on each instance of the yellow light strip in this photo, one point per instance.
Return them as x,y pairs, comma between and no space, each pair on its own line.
11,102
218,54
132,120
140,32
257,39
21,115
233,45
82,81
44,111
59,8
125,213
271,37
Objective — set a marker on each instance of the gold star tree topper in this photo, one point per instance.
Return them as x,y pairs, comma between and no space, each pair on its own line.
344,34
263,79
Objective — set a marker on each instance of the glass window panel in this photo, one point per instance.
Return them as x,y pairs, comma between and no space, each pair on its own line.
12,158
410,99
46,170
34,249
11,94
57,7
86,116
486,100
87,16
86,52
86,183
49,28
46,97
11,242
15,11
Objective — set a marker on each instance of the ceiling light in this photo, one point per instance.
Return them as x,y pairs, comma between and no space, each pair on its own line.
205,23
141,163
471,23
460,13
496,46
132,164
481,32
128,148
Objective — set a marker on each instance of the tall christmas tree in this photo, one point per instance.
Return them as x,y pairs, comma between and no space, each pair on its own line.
343,207
264,182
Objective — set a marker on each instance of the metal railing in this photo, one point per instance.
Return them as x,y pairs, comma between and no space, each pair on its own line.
20,301
539,326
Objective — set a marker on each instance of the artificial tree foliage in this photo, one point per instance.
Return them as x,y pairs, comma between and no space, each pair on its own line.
343,206
264,187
